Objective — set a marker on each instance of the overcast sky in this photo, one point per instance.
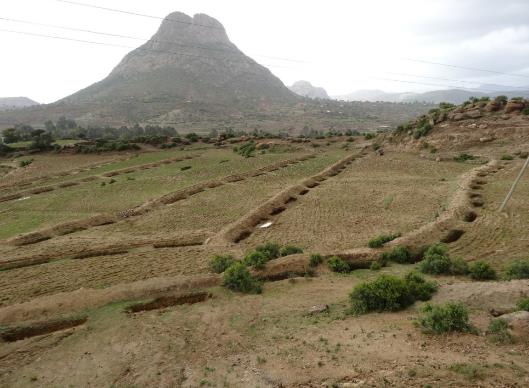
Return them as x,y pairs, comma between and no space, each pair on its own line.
343,45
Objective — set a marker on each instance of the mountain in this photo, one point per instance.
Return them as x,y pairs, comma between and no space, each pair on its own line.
10,103
454,96
306,89
188,67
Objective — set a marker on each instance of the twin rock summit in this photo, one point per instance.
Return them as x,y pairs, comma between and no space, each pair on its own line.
189,65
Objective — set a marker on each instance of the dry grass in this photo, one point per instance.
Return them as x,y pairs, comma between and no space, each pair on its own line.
346,211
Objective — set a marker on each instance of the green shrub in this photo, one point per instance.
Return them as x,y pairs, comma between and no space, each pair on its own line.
518,269
446,105
246,149
256,259
369,136
419,287
525,111
458,266
315,260
464,157
523,304
507,157
380,240
499,331
501,99
290,250
25,162
338,265
271,250
399,254
219,263
238,278
480,270
375,266
422,130
445,318
390,293
436,260
386,293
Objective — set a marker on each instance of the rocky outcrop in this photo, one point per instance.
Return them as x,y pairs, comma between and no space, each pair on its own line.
306,89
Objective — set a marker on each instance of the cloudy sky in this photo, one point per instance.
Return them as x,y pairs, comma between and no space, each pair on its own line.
338,44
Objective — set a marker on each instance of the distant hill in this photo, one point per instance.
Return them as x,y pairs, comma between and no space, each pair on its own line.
454,96
306,89
188,67
9,103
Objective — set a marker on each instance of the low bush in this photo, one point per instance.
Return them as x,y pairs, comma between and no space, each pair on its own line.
464,157
501,99
290,250
422,130
399,254
518,269
219,263
525,111
271,250
499,331
390,293
375,266
445,318
507,157
419,287
523,304
25,162
255,259
481,270
458,266
183,168
380,240
315,260
247,149
238,278
338,265
436,260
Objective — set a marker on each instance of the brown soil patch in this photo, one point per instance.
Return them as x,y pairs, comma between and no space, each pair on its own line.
168,301
11,334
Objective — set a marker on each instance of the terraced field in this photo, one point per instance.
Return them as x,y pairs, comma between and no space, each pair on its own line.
117,274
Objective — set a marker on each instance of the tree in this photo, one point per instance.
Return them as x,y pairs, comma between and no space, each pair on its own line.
10,135
40,139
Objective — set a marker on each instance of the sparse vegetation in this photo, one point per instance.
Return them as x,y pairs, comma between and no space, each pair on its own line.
523,304
315,260
399,254
290,250
464,157
518,269
25,162
499,331
480,270
436,261
444,318
380,240
507,157
470,371
390,293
